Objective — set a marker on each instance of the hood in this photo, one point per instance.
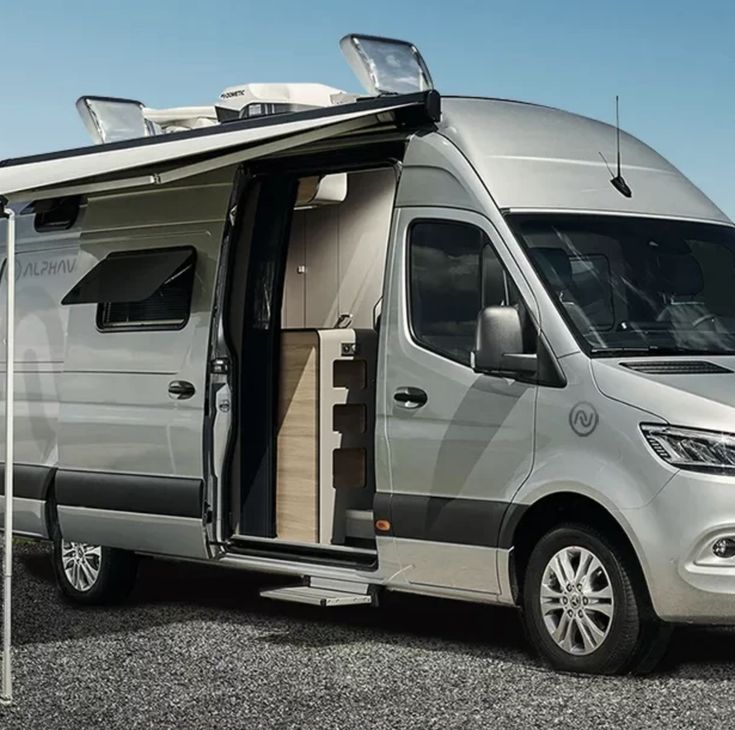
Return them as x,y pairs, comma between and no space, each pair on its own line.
700,394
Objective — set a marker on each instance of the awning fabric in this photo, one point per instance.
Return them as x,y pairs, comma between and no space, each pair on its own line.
129,276
157,159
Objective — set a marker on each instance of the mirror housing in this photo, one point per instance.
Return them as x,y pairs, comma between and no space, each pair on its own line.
499,343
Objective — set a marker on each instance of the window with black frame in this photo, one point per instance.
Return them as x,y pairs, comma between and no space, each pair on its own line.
453,273
167,308
141,289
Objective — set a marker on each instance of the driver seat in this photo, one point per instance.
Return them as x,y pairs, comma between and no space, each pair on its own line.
556,268
681,279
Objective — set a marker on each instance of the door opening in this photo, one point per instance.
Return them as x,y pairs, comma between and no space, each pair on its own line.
307,362
260,342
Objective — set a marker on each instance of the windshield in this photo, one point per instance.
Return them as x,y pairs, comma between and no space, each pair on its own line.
630,284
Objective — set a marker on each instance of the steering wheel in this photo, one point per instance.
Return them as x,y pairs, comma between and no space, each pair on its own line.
712,318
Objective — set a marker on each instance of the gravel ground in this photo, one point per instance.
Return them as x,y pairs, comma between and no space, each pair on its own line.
197,648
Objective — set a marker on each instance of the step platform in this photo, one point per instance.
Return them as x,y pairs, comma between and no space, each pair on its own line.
324,593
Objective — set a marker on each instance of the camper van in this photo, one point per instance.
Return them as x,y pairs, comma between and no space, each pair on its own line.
470,348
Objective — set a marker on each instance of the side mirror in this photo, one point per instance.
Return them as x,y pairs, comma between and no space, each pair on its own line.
499,343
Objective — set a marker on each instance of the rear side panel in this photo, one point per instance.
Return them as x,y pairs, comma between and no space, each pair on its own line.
46,268
131,456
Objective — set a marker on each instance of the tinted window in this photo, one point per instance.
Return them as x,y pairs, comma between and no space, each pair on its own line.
167,308
637,283
57,214
453,274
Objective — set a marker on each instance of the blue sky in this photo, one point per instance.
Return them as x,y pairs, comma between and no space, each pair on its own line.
672,62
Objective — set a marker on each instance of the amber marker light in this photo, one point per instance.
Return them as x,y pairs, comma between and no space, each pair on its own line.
382,525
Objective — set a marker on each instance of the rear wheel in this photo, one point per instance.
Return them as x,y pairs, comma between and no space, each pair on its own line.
92,574
582,610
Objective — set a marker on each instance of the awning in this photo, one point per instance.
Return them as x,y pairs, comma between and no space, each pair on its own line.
161,159
129,276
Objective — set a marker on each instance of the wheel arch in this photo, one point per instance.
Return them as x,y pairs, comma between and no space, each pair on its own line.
524,525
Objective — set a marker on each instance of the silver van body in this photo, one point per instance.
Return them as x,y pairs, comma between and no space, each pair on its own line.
462,478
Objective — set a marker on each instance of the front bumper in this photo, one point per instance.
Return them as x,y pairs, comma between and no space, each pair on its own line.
674,535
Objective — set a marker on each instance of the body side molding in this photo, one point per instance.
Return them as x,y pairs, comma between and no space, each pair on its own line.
480,522
31,481
141,493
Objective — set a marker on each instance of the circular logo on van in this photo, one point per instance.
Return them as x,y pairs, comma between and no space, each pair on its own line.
583,419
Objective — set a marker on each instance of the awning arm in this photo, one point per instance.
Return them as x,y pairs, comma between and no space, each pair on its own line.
261,150
6,687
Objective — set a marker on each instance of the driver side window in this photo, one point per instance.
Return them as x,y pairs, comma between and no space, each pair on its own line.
454,272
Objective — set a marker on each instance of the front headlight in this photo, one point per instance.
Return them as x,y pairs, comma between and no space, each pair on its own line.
689,448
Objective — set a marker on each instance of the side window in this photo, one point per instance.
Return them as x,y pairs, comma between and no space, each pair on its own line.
141,289
167,308
453,273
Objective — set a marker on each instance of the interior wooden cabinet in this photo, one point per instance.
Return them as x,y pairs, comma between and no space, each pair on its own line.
325,433
297,451
326,396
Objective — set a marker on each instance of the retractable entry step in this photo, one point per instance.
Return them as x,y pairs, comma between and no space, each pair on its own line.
324,593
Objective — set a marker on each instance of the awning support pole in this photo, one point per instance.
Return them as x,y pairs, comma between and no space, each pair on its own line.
6,690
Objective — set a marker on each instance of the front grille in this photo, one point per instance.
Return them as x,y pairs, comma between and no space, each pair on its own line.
689,367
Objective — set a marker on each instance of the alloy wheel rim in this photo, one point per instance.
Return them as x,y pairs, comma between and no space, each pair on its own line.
81,563
577,601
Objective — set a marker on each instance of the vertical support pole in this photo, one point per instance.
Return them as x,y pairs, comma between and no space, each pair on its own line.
6,689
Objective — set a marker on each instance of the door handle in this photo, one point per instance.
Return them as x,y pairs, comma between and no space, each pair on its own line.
180,389
410,397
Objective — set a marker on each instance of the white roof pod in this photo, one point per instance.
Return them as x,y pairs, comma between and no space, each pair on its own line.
251,100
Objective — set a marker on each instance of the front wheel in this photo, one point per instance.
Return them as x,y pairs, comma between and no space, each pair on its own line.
581,609
91,574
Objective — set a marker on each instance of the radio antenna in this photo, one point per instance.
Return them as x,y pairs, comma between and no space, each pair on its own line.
618,182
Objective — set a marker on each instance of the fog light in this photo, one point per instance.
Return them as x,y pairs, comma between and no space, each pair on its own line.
724,547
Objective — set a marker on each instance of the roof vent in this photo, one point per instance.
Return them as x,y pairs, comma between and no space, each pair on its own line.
676,367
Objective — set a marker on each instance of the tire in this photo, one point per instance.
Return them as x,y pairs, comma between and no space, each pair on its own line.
113,571
652,645
608,630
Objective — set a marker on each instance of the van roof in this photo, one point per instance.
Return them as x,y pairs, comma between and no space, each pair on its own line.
531,156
